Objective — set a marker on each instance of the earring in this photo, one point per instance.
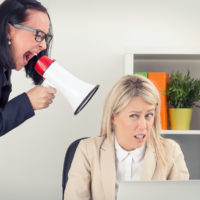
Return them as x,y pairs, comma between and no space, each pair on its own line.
9,42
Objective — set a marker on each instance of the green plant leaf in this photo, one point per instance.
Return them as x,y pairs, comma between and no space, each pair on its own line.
183,91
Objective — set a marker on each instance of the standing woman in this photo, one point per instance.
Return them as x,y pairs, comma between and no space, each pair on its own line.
25,35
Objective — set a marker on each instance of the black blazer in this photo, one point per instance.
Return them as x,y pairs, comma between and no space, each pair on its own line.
15,111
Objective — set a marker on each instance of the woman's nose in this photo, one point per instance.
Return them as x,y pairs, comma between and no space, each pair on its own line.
43,45
142,124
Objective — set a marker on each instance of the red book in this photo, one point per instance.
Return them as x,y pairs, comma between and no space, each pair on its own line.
160,80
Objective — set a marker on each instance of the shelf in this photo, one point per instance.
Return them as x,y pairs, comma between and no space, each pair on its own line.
180,132
156,62
167,56
170,60
166,61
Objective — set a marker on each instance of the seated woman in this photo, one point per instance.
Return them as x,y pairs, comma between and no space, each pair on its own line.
129,148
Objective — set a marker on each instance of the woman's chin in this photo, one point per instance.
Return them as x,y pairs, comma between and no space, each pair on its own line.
18,68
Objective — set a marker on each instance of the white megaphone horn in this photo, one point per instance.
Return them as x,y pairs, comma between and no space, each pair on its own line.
76,91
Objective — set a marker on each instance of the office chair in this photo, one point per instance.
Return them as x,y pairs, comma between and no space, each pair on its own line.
68,160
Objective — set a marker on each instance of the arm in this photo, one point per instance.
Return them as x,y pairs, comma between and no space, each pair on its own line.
15,112
22,107
79,177
179,169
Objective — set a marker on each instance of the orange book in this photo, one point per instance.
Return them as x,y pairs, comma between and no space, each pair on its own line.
160,80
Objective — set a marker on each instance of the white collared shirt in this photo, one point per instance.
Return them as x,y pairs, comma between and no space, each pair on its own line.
128,163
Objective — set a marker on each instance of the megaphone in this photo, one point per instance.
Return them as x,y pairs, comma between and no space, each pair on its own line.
77,92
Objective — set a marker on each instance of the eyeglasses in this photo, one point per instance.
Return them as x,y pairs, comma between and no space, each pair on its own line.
39,35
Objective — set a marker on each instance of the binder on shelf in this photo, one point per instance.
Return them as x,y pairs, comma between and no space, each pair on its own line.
160,80
145,74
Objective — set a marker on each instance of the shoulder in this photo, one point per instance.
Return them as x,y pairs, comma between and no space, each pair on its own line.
93,145
92,142
172,147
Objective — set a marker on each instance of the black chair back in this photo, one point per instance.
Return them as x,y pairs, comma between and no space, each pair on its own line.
68,161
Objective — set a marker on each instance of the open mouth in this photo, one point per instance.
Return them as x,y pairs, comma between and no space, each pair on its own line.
140,136
27,56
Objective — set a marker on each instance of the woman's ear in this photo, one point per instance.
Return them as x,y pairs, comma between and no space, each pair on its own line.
10,31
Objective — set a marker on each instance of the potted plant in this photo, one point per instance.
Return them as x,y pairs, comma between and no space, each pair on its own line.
182,94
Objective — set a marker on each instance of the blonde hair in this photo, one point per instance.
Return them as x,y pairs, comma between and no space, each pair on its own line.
121,93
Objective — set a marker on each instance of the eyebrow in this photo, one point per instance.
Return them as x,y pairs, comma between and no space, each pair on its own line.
150,110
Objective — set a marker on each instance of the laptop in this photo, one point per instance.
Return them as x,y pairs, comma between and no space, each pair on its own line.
159,190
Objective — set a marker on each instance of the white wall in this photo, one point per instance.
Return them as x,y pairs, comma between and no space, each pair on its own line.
90,40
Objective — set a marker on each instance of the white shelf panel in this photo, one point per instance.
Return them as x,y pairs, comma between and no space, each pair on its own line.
180,132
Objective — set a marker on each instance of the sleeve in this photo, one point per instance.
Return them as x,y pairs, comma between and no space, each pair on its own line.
15,112
179,169
79,177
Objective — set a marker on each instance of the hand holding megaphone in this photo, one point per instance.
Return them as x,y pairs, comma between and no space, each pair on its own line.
75,90
40,97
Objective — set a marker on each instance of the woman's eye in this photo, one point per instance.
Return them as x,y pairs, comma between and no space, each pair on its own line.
149,115
133,115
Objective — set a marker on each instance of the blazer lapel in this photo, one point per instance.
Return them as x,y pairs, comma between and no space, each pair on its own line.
149,164
108,169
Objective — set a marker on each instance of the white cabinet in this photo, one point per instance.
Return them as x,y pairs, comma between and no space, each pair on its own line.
170,61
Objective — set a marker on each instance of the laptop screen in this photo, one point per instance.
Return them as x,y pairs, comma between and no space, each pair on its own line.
159,190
